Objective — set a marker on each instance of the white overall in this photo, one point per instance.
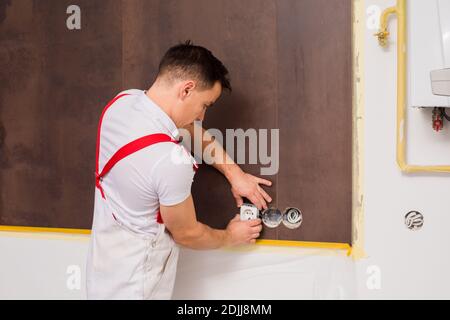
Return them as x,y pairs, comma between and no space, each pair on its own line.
124,264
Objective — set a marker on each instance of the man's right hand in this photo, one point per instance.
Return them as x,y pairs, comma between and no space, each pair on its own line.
243,232
182,223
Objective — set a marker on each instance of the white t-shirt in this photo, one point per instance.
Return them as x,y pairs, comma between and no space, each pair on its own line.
159,174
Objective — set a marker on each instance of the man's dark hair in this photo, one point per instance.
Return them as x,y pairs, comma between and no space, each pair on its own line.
187,60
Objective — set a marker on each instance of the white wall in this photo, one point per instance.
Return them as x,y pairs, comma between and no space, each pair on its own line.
36,267
410,264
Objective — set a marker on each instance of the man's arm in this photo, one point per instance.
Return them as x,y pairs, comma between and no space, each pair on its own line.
181,221
242,184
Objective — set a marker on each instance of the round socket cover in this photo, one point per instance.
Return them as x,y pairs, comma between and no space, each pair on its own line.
292,218
271,217
414,220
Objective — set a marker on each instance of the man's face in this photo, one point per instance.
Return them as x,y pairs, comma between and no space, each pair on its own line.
196,101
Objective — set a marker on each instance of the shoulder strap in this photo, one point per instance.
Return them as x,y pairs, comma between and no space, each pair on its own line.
124,151
129,149
97,151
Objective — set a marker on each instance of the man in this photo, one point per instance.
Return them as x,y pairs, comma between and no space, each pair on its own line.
143,203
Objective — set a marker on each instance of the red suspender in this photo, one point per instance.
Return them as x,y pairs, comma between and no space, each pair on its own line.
125,151
97,151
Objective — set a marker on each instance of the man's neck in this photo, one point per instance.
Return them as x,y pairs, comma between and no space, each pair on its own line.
161,98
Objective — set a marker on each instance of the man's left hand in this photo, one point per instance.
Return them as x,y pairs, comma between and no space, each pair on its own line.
248,186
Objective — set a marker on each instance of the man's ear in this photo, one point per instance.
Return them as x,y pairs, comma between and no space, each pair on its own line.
186,89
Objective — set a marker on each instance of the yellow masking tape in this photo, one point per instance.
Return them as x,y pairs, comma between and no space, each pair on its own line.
358,14
44,230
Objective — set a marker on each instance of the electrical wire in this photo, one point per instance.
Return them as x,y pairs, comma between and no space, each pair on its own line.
444,114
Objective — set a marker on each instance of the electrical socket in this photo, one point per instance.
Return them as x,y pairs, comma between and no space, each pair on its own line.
249,212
